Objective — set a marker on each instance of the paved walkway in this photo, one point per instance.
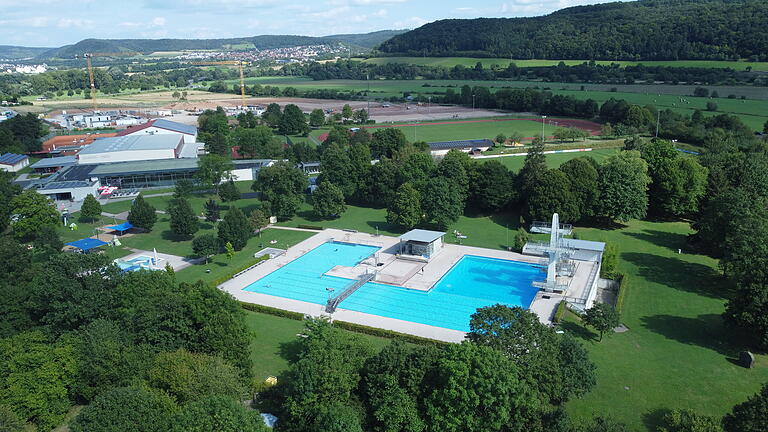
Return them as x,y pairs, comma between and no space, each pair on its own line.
177,262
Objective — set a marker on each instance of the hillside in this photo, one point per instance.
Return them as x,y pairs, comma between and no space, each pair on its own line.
368,40
10,52
640,30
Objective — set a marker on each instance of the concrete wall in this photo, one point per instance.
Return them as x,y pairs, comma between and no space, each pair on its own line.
15,168
125,156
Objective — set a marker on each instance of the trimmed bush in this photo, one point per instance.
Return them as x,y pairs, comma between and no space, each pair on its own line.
389,334
562,308
622,294
272,311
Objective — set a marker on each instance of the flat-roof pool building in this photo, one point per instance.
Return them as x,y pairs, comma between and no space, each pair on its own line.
421,243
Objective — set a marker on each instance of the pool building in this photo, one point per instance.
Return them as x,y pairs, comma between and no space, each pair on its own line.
415,284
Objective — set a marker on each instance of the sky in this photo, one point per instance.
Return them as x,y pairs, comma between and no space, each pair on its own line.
53,23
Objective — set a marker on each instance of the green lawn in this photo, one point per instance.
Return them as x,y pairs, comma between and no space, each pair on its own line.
431,132
220,266
514,163
275,343
488,62
677,353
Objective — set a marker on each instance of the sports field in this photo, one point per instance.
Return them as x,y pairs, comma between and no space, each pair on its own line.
487,62
471,129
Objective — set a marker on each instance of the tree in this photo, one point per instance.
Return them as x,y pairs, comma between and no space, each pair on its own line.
602,317
387,141
360,116
184,222
749,416
293,121
711,106
765,127
8,190
521,238
229,251
91,209
583,178
47,241
281,185
534,167
316,118
212,169
623,187
328,201
444,205
543,358
228,191
336,168
126,408
107,358
552,194
405,210
31,211
500,139
677,183
9,421
491,186
205,245
515,137
346,112
272,115
188,377
217,413
258,220
327,372
216,143
606,130
235,229
476,388
142,214
689,421
34,377
257,142
183,189
212,211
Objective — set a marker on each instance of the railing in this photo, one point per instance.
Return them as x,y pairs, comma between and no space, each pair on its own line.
333,303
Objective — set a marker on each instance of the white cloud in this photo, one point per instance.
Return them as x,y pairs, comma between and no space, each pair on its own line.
411,22
158,21
74,23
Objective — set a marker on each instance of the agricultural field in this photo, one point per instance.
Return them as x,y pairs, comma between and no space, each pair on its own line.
753,111
488,62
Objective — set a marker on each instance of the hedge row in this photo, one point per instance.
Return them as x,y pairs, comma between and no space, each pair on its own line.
389,334
311,227
272,311
622,294
230,275
562,308
573,146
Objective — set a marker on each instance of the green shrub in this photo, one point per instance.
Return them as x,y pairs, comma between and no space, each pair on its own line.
310,227
609,267
272,311
622,294
562,308
230,275
373,331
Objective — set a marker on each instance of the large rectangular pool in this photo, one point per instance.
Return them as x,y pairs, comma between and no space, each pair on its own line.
473,282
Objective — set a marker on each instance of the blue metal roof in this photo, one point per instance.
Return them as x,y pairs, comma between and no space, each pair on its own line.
125,226
12,158
61,161
174,126
87,244
460,144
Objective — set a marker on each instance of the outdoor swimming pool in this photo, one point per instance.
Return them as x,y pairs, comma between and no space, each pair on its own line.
473,282
133,264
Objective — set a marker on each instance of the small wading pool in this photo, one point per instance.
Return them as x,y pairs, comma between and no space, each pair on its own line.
473,282
136,263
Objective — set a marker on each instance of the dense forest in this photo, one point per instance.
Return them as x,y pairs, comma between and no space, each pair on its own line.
638,30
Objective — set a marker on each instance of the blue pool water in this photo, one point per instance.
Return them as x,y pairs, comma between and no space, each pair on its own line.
134,264
472,283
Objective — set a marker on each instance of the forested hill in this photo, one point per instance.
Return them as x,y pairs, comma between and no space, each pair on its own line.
10,52
639,30
367,40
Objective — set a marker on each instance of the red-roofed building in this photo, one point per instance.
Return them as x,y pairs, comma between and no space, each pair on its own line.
68,145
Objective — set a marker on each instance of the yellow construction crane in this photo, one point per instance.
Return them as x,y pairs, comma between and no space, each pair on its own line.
88,57
240,65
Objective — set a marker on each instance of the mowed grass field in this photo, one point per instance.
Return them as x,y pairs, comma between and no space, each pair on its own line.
469,129
488,62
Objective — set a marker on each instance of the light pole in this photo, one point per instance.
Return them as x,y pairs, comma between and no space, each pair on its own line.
543,119
429,104
473,103
368,94
658,115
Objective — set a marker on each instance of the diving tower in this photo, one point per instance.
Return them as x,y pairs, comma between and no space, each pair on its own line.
557,253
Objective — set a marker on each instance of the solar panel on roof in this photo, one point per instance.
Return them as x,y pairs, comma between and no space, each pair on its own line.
11,158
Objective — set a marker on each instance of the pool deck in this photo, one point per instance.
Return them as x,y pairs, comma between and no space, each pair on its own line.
409,274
